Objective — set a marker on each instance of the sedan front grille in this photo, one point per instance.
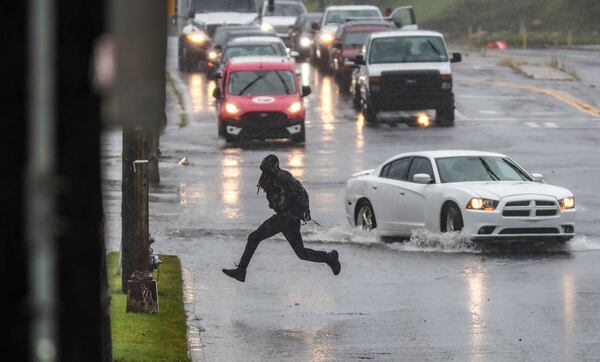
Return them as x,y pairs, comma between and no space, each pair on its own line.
530,208
264,118
528,231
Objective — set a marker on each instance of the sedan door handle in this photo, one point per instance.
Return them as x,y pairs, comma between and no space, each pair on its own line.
374,187
401,193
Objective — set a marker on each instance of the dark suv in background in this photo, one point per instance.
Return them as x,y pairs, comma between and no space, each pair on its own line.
302,34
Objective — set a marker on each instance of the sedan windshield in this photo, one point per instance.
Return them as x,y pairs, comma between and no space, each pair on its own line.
408,49
269,82
238,51
479,168
340,16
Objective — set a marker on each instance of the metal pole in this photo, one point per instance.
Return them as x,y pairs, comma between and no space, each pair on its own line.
40,179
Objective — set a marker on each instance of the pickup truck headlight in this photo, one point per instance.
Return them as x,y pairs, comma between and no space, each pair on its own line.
266,27
477,203
375,83
198,37
567,203
446,81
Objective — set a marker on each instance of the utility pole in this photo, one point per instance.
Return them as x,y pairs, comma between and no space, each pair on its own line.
138,104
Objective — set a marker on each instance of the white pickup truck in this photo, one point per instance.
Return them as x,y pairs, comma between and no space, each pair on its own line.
405,70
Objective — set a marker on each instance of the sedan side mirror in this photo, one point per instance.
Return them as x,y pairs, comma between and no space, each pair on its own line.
306,90
294,54
456,58
422,178
359,59
537,177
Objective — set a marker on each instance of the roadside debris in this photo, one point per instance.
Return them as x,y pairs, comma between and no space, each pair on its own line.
183,162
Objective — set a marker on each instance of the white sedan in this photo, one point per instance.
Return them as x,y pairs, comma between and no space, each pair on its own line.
484,195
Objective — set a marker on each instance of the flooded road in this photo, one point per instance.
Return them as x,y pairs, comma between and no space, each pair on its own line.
431,298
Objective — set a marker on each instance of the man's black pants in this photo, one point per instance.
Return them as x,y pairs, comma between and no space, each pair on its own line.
290,228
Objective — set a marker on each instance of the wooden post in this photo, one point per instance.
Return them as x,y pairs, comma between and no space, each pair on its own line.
133,149
151,143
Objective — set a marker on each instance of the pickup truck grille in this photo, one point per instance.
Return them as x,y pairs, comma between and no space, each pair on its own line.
530,208
411,82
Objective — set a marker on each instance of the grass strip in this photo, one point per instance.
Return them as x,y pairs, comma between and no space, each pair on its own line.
183,119
149,337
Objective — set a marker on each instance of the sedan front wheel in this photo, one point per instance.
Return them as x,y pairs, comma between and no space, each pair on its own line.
365,217
452,219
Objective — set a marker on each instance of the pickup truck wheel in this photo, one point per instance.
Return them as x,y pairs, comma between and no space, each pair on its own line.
356,98
445,116
369,112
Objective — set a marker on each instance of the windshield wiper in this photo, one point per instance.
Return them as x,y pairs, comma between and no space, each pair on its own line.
287,89
261,76
517,170
489,170
434,48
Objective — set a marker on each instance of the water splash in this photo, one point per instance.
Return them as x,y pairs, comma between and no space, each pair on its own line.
584,243
424,240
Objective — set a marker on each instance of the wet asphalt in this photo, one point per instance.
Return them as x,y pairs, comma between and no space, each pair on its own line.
431,298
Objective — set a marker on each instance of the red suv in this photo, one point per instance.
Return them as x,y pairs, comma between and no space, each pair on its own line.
260,97
350,39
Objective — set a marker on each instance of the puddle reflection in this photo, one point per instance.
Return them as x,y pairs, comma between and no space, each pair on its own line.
569,308
197,92
477,298
327,108
230,184
295,160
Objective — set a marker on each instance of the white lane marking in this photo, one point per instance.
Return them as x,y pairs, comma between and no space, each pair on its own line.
489,112
533,125
551,125
546,113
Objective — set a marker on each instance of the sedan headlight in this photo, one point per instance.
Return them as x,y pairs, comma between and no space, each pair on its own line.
567,203
213,55
327,38
197,37
231,108
295,107
477,203
305,42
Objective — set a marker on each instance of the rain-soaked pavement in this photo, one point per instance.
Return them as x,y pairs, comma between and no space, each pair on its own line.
431,298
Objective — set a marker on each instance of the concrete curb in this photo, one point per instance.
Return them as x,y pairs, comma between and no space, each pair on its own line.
195,345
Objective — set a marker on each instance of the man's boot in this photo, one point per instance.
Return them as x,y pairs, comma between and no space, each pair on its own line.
334,262
237,273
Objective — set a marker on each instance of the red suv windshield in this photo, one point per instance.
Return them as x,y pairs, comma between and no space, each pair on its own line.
262,82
